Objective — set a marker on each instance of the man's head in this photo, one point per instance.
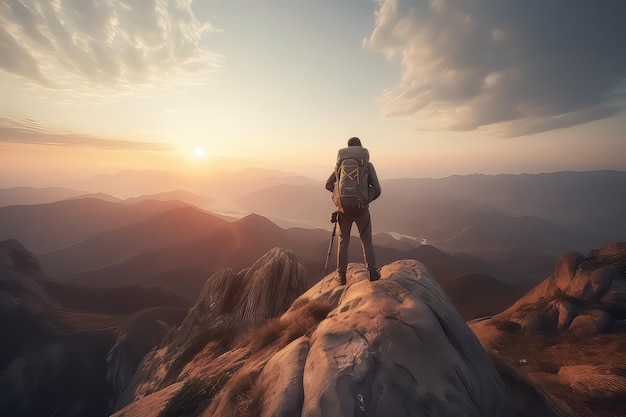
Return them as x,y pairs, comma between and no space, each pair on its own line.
354,141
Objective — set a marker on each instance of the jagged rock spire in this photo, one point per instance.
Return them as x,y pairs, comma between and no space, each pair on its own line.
230,304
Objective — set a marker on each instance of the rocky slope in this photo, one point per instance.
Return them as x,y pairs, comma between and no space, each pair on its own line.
256,344
585,295
391,347
568,334
58,361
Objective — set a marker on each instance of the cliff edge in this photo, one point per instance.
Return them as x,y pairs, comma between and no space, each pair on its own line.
392,347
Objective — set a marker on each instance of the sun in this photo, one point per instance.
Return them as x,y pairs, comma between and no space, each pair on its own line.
198,152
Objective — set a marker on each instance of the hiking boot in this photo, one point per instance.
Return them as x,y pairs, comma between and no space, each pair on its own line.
342,278
374,275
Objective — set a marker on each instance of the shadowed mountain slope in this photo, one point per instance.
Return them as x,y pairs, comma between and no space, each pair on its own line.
51,226
392,347
172,227
170,244
477,295
196,200
99,196
181,248
115,300
58,361
237,243
555,212
25,309
485,232
30,195
586,201
308,204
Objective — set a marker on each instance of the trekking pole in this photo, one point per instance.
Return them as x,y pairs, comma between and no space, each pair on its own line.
330,246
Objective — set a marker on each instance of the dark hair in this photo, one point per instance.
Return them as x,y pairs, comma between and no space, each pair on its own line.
354,141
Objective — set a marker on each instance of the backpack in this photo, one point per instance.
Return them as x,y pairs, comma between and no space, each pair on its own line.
351,186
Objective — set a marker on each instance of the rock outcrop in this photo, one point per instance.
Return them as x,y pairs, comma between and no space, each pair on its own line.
229,305
585,295
567,334
392,347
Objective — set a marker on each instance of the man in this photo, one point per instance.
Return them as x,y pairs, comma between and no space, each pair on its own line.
351,209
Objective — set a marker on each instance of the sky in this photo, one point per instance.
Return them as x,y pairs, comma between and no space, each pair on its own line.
432,87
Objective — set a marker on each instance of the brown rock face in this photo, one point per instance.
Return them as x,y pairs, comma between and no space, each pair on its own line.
392,347
397,347
584,295
567,335
229,305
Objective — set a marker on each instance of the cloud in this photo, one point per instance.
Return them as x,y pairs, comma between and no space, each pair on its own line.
30,131
69,44
527,66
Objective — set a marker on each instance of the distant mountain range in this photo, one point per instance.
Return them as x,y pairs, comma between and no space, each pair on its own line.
233,183
99,244
509,228
542,215
16,196
46,227
587,201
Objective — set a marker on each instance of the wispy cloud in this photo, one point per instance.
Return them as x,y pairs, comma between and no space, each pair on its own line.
528,66
30,131
119,44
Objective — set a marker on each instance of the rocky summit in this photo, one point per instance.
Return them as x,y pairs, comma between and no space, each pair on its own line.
255,345
568,334
585,295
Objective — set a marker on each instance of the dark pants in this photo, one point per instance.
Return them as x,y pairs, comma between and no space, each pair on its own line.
364,224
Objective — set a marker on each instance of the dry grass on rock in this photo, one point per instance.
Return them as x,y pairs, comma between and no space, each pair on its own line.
228,389
587,373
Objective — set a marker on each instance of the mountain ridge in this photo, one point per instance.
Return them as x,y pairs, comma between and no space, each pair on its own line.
49,226
330,353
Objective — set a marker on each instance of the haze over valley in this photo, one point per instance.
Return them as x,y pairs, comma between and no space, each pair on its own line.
510,228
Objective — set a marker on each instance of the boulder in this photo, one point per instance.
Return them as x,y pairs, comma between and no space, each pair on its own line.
392,347
591,322
281,382
398,347
585,295
567,312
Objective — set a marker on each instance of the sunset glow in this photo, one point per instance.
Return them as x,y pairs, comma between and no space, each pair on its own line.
198,152
432,88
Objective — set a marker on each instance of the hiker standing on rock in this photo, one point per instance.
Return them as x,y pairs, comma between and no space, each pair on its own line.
354,185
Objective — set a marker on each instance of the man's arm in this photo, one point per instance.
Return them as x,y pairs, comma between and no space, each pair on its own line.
373,184
330,182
